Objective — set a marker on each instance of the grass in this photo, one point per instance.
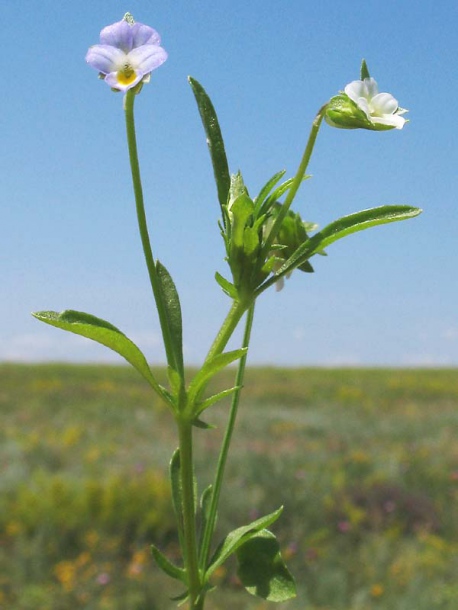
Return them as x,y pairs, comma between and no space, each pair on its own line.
364,461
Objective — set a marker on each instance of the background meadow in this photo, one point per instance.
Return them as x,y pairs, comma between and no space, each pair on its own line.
364,461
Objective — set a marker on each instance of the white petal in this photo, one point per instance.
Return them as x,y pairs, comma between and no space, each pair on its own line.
112,80
384,103
390,119
355,90
371,87
364,105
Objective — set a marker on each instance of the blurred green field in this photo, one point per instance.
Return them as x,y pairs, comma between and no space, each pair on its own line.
364,461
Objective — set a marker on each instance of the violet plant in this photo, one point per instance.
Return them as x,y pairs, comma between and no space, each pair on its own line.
265,241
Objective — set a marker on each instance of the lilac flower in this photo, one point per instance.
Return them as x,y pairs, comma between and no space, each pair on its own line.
127,54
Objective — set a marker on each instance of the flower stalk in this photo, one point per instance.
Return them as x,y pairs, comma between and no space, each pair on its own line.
143,227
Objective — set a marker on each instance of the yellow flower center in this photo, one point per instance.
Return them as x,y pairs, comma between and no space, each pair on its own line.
126,75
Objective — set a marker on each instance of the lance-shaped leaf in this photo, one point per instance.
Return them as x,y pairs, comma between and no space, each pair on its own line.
177,492
237,538
172,311
211,400
214,140
262,570
269,185
359,221
209,369
103,332
226,285
167,566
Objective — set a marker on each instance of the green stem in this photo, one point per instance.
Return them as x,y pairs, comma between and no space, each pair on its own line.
188,507
143,228
297,180
216,491
229,325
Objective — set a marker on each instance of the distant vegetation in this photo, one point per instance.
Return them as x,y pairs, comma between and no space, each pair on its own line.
364,461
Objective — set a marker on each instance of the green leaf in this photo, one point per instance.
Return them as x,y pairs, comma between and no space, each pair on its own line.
226,285
205,504
198,423
264,192
182,598
237,538
172,309
359,221
209,369
208,402
364,70
167,566
262,570
103,332
214,140
273,198
177,493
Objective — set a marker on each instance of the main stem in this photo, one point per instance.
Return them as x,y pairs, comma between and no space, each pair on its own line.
143,227
188,506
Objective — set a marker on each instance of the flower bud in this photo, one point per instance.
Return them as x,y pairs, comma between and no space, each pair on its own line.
342,112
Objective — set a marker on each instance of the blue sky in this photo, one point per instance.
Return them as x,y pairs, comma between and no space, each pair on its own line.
68,232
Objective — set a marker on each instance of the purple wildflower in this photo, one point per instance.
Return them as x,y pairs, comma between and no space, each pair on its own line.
127,54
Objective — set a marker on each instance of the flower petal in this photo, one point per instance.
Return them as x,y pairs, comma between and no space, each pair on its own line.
371,87
144,34
147,57
384,103
119,35
355,90
394,120
104,57
112,79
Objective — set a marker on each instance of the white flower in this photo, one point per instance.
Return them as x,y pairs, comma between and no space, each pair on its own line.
380,108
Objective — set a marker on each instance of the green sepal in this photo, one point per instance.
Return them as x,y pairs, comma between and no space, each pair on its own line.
172,310
209,369
211,400
261,568
343,112
214,140
103,332
359,221
226,285
364,70
291,235
237,188
240,211
167,566
237,538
